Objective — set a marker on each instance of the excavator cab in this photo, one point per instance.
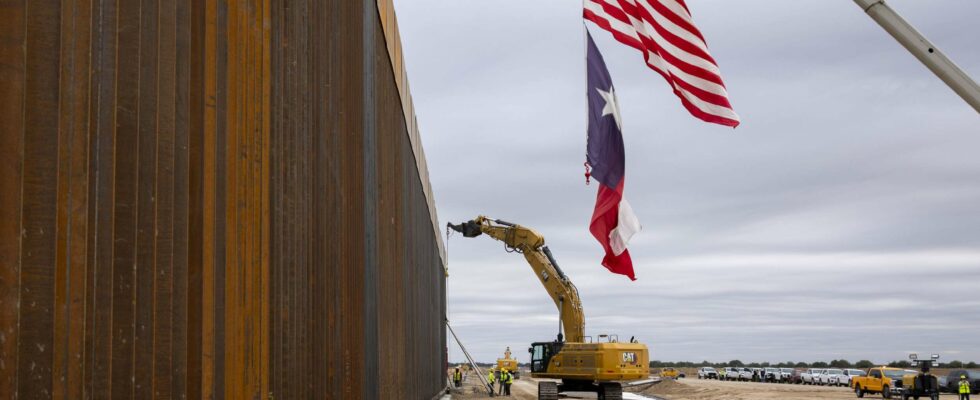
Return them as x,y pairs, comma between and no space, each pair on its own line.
541,353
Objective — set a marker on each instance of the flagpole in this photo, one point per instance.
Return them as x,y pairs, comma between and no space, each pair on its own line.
585,79
924,50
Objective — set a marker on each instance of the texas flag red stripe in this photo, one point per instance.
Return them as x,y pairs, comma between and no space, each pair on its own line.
607,227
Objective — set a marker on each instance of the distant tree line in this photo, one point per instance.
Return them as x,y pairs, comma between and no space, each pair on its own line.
863,364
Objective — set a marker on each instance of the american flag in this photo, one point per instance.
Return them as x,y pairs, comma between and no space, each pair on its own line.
671,45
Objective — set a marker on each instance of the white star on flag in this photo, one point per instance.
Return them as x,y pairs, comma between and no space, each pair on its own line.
611,106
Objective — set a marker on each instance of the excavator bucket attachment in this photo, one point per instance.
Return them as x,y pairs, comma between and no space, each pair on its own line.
468,229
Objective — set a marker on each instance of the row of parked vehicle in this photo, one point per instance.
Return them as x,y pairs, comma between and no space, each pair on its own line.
882,380
812,376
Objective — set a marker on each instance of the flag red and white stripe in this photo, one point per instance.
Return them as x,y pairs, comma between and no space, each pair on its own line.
671,45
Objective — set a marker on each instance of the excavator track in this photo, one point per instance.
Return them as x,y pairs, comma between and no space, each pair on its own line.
549,391
611,391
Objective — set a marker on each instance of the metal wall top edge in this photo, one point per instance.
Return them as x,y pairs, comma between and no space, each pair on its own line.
389,24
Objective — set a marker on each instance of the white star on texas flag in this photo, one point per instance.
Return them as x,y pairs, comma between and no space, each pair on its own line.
611,106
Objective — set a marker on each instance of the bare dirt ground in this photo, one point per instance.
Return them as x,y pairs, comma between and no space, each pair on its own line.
695,389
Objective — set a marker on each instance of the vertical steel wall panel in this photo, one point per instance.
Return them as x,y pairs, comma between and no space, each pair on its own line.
213,199
371,31
326,174
12,92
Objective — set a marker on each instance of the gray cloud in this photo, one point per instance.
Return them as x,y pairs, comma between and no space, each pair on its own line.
842,219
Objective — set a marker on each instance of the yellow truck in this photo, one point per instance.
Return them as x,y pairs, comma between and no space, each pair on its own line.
670,373
883,380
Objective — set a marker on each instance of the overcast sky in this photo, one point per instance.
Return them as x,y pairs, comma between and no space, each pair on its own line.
840,220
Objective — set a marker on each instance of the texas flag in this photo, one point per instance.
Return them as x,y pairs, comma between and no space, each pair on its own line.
613,221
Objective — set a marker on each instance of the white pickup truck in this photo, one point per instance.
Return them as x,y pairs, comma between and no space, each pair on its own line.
845,378
829,376
784,375
707,373
811,376
771,374
731,374
745,374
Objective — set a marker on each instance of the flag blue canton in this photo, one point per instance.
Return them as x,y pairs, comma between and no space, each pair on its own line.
604,151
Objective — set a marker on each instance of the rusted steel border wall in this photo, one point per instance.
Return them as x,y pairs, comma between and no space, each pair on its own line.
347,191
213,199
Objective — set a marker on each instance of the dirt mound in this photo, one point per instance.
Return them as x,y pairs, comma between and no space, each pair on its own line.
669,387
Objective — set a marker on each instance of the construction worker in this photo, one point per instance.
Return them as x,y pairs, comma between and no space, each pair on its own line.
491,378
964,388
509,380
458,377
500,381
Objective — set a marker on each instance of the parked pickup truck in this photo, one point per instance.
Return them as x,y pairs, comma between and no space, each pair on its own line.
845,379
796,377
670,373
771,374
879,380
829,376
707,373
784,375
811,376
731,374
745,374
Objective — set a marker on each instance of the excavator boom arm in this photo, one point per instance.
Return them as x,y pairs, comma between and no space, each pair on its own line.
531,244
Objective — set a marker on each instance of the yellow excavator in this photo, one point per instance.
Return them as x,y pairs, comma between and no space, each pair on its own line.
509,363
581,363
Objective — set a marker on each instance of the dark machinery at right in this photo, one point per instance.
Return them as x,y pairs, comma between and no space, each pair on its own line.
923,384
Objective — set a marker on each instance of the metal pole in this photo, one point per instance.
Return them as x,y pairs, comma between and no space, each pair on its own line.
479,373
925,51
